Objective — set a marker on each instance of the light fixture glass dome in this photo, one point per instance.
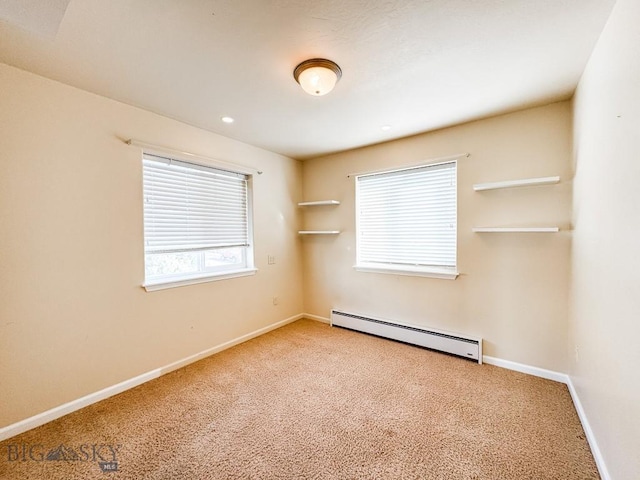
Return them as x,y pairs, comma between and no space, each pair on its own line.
317,76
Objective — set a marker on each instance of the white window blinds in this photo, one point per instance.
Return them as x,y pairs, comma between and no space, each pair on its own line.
408,217
190,207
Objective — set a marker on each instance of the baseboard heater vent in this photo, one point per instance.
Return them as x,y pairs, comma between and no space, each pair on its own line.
463,346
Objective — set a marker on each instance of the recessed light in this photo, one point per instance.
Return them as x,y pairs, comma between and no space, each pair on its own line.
385,128
226,119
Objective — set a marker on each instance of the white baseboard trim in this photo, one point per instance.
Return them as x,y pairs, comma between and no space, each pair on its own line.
231,343
566,379
528,369
317,318
591,438
69,407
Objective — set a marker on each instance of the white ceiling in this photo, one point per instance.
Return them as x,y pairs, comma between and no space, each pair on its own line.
416,65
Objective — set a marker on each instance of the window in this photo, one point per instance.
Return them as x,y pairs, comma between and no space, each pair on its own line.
197,224
406,221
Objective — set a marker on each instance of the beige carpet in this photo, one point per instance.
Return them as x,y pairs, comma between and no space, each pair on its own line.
309,401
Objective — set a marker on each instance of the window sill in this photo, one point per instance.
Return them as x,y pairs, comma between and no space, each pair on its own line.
181,282
414,271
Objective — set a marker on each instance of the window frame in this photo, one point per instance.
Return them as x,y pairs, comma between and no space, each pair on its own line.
179,280
431,271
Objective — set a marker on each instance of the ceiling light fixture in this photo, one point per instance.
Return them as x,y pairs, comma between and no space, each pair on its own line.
317,76
226,119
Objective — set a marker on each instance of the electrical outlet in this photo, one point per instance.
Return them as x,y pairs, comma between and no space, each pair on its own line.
276,300
271,259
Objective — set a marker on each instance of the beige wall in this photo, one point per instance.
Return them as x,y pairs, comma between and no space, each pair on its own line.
513,287
605,302
73,317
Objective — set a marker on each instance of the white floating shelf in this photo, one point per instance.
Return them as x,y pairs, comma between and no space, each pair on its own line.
526,182
319,232
318,203
516,229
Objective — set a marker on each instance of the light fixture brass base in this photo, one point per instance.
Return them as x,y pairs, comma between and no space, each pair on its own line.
317,62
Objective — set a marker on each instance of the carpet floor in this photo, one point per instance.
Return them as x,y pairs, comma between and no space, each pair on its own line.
308,401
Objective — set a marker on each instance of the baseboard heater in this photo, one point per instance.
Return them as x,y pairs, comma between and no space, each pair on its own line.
462,346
